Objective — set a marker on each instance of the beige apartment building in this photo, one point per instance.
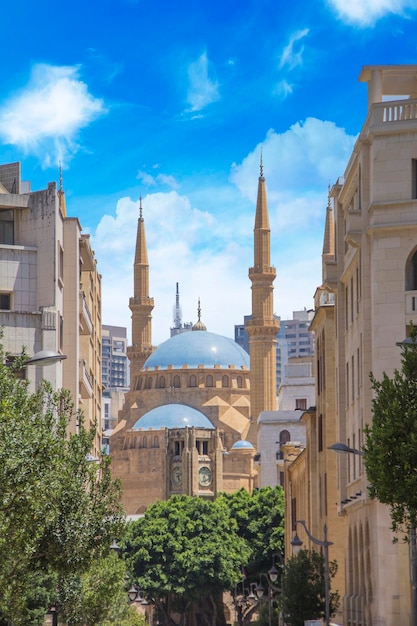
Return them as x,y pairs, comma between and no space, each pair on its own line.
363,308
50,291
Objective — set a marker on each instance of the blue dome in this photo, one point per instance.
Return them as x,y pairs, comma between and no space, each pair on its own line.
242,445
196,348
172,416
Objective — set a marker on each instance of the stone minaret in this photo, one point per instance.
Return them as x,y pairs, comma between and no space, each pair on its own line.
141,304
262,327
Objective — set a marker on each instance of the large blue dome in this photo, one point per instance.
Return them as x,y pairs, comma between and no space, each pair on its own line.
172,416
196,348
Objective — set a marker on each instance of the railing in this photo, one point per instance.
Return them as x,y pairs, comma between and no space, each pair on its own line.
398,111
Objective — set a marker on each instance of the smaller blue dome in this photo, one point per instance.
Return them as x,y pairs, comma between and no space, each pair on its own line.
242,445
172,416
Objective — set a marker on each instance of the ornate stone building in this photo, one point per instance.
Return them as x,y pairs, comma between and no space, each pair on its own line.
187,426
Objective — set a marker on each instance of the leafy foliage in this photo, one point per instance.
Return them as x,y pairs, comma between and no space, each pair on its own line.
390,451
185,552
98,596
260,520
304,592
58,511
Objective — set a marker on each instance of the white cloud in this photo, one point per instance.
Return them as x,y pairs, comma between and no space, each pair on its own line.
209,253
283,89
45,118
292,55
202,88
368,12
152,181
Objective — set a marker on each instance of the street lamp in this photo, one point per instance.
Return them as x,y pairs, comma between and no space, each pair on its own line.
271,578
297,543
342,448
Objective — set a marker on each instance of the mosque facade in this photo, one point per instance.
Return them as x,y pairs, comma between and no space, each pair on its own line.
187,426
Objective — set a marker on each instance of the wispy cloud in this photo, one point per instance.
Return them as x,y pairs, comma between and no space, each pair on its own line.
292,55
367,12
46,116
203,88
161,179
283,89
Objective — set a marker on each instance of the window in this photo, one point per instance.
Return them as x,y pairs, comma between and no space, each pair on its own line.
192,381
202,447
5,301
177,383
301,404
225,381
239,382
162,382
60,265
320,433
411,273
284,437
414,178
6,226
209,381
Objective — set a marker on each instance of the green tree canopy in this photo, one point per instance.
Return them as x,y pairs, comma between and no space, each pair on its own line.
390,450
260,520
303,588
184,553
58,511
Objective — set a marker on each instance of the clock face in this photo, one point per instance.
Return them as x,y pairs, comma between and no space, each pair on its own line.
176,475
204,476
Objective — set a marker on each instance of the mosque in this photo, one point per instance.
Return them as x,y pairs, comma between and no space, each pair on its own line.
189,420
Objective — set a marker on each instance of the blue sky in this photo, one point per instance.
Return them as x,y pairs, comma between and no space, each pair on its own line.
174,101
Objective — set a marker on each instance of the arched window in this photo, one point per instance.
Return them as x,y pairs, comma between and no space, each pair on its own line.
209,381
411,272
225,381
177,383
284,437
162,382
149,385
144,442
239,382
156,442
192,381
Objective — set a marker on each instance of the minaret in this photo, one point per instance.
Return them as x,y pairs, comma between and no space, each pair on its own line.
328,240
141,305
61,194
262,327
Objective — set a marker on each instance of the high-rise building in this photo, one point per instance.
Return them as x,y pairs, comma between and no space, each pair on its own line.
114,357
50,291
293,339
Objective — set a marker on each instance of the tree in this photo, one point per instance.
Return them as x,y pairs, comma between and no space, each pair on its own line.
98,596
260,520
58,511
184,553
303,588
390,450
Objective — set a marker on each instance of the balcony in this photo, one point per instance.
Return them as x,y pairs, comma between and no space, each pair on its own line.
86,386
86,322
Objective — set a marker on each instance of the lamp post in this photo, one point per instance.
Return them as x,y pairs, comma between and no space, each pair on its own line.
325,543
271,578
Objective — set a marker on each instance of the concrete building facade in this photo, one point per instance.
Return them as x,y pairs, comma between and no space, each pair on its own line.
363,308
50,291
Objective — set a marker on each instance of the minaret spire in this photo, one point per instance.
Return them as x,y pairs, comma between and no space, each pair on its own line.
328,242
61,193
141,304
262,327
